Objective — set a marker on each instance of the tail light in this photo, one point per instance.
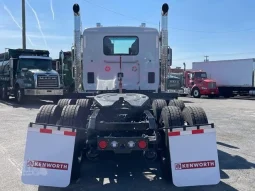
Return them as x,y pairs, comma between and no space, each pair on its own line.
102,144
131,144
114,144
142,144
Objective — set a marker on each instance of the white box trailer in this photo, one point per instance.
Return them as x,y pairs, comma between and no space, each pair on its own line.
232,76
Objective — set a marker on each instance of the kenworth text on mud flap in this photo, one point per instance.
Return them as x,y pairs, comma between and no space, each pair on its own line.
179,137
28,73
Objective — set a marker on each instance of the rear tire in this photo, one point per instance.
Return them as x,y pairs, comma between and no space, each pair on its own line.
85,103
157,106
19,96
72,116
63,102
194,115
177,103
4,93
170,116
49,114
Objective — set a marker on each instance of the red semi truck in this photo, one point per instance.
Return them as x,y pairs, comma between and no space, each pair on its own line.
199,84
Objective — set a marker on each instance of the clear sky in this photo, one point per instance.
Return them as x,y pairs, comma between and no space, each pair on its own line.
221,29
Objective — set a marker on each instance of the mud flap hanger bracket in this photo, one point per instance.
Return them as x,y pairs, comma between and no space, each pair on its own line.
187,126
58,126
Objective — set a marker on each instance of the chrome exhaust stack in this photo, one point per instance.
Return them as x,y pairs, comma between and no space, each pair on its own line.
164,45
77,48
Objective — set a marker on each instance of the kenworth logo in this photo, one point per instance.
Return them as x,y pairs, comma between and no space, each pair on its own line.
48,165
192,165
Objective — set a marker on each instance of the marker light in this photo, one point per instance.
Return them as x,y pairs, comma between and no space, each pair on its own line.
142,144
131,144
102,144
114,144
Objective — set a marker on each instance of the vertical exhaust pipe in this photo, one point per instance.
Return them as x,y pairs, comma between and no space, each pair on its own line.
184,69
164,45
77,48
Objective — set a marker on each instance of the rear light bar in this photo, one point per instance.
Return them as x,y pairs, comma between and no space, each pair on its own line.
122,143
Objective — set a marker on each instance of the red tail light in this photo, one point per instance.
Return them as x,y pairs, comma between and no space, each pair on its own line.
142,144
102,144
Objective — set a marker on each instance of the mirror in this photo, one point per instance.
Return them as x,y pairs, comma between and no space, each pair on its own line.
169,56
73,72
11,63
191,77
61,55
72,53
57,65
23,71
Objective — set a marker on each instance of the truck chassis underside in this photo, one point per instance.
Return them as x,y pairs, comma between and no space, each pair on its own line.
121,129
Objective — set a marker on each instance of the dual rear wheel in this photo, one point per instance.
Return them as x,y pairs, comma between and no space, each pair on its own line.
175,115
68,113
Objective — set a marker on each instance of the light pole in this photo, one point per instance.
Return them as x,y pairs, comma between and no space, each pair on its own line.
23,25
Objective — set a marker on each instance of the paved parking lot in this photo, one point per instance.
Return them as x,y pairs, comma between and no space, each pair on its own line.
235,123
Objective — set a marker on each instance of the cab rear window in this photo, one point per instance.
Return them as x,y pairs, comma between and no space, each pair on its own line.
121,45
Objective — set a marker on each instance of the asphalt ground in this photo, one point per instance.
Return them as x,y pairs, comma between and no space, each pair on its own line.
235,125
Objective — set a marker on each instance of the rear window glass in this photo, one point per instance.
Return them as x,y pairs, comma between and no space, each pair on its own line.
121,45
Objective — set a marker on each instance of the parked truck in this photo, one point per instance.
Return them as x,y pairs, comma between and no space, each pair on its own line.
126,115
28,73
64,66
233,77
200,85
196,83
175,84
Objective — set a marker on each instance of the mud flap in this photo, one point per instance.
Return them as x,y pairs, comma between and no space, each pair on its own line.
194,157
48,156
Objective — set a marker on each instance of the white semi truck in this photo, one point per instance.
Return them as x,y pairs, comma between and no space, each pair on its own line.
125,61
232,76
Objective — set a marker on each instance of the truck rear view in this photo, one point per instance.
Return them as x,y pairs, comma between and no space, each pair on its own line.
121,123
